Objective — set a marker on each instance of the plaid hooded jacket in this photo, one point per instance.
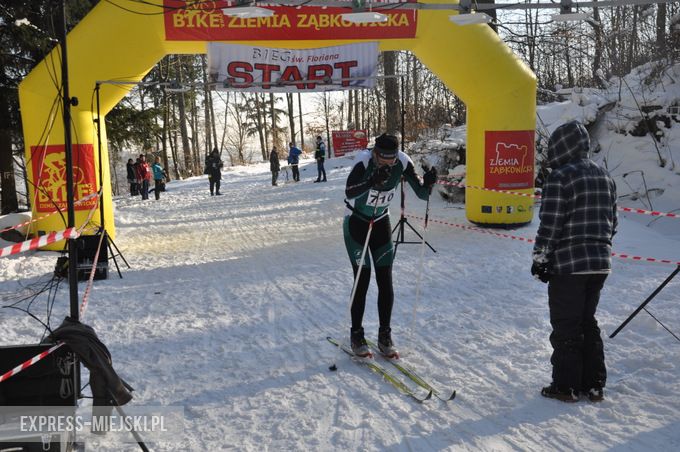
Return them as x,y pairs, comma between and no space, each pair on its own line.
578,207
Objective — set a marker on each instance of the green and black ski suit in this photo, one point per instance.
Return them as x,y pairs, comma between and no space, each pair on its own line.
364,202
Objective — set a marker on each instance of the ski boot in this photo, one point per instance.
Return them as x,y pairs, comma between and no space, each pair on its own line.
385,345
359,345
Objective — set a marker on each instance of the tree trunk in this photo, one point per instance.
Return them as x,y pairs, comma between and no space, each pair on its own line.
350,109
392,115
416,90
261,128
661,30
291,115
327,116
302,133
597,55
206,107
275,126
9,202
186,147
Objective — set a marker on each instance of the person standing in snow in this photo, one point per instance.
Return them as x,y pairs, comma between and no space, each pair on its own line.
572,253
132,177
320,156
158,175
370,188
143,176
213,168
294,160
274,165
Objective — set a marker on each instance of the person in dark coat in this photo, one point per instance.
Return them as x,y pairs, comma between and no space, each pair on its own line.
132,177
572,254
213,168
320,156
274,165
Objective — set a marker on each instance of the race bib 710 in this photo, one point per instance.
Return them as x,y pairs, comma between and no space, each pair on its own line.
383,198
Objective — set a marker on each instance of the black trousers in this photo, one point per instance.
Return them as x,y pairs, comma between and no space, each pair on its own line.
214,185
578,351
382,255
157,188
296,173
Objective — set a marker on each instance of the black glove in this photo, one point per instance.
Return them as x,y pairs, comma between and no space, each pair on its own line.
541,271
430,177
380,175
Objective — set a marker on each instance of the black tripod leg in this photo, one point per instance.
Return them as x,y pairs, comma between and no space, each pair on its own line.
113,256
419,236
644,303
118,251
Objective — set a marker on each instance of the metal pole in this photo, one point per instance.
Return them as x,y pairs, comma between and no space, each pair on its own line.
72,248
68,156
99,157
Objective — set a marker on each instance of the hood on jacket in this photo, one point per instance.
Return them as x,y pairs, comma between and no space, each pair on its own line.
568,142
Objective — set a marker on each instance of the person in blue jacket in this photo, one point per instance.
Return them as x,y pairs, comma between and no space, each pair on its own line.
371,187
294,160
158,175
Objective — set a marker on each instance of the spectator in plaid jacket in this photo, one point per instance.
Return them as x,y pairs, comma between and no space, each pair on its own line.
573,254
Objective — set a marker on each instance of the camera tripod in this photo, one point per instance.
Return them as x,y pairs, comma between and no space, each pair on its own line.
403,221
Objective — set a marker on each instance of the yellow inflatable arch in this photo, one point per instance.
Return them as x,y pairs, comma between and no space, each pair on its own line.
123,40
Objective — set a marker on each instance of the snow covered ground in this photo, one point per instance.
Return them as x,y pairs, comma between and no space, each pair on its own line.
229,300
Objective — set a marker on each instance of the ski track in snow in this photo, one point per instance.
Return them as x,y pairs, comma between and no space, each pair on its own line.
229,300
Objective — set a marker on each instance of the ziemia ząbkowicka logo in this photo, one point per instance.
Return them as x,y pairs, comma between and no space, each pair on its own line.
509,159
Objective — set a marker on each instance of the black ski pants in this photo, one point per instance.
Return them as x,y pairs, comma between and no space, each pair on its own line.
296,173
382,254
578,351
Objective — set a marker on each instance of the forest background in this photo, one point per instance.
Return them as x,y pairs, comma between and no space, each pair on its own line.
182,126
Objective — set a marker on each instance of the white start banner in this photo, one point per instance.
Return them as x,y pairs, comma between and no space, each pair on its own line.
266,69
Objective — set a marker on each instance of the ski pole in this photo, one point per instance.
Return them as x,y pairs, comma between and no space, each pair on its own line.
333,366
420,268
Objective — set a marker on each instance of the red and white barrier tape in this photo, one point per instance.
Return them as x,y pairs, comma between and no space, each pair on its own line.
70,233
33,220
29,362
528,240
654,213
86,295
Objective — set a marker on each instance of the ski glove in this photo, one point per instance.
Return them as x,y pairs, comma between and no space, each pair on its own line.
380,175
541,271
430,177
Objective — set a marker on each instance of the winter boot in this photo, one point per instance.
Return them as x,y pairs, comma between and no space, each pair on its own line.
359,345
595,394
385,345
562,394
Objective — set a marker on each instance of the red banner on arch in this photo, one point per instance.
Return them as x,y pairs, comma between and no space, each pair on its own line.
187,20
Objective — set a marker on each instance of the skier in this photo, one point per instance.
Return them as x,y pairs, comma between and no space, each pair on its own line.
572,254
370,188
